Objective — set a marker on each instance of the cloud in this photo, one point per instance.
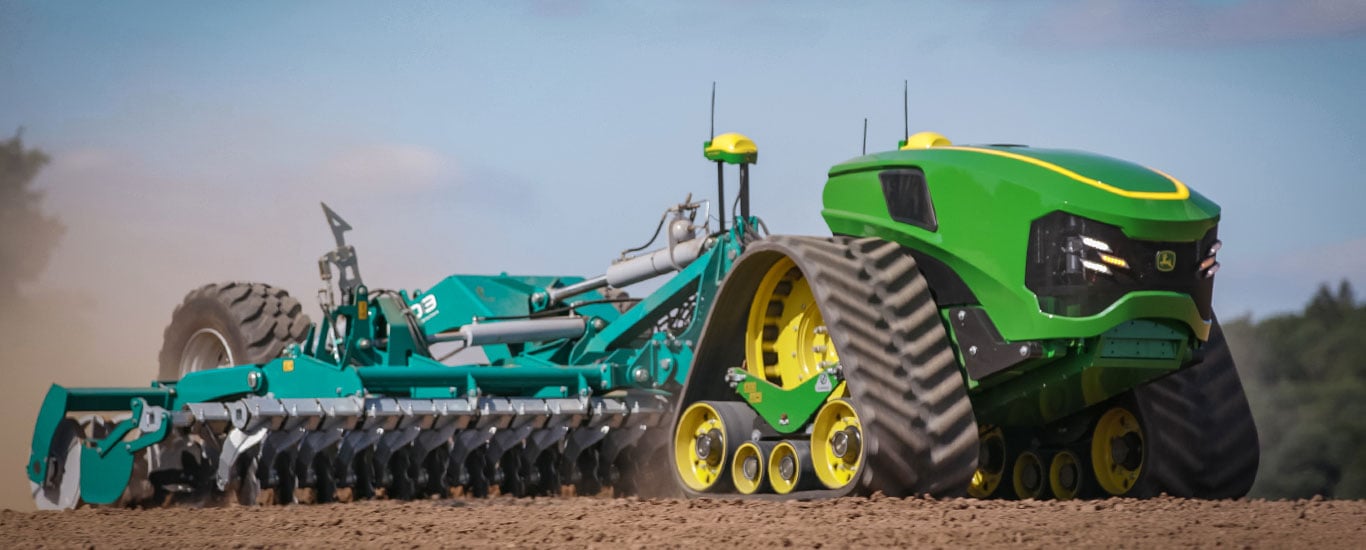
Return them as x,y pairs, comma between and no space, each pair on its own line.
386,167
1132,23
1327,262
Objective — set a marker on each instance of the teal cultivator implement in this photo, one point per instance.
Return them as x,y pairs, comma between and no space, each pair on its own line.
997,320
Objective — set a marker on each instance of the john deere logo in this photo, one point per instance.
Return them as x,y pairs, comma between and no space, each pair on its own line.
1166,260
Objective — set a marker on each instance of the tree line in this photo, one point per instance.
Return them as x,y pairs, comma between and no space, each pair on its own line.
1305,377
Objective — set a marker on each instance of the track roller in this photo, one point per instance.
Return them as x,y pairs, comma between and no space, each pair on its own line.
749,469
1029,479
1065,475
789,467
709,432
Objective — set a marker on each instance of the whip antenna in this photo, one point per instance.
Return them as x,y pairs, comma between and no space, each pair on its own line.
905,108
713,112
865,135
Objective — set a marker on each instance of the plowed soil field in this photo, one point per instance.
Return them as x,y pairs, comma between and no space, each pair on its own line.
720,524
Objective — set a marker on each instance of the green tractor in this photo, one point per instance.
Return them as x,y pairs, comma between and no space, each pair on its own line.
995,320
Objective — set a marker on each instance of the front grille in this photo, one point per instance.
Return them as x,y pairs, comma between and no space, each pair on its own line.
1064,256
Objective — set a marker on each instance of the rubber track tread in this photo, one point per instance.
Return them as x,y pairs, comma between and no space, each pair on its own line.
1208,440
903,378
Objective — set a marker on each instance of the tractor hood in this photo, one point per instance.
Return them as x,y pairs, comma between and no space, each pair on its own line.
1146,203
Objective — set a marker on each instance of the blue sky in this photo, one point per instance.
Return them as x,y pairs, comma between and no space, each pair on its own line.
192,142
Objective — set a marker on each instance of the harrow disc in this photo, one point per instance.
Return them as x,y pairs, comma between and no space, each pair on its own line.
64,490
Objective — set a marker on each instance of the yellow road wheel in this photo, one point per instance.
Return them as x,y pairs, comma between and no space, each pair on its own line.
700,446
1117,451
1064,475
747,468
786,341
789,466
991,463
836,444
1028,476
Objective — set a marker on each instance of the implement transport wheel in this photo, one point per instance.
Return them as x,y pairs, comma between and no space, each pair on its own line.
991,464
1029,477
860,310
707,435
228,324
1117,451
836,444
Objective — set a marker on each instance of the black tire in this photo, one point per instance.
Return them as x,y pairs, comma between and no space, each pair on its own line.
1205,442
905,384
251,323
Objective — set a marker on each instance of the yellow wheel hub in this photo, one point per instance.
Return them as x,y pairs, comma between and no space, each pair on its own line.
786,339
700,446
747,469
837,444
784,468
1064,475
1117,451
991,465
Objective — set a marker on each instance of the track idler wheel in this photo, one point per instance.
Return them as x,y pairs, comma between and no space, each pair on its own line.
992,459
1117,451
837,444
707,434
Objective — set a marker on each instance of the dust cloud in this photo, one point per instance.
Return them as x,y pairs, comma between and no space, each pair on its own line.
140,236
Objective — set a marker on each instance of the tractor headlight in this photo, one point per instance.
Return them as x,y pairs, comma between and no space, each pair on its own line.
1078,267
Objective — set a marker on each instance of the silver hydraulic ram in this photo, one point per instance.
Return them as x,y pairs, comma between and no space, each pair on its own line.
685,245
512,332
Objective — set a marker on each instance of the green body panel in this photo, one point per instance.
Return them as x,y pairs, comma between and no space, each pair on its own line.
1048,389
985,200
787,411
985,204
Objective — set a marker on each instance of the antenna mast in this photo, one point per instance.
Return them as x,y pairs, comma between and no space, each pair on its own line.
720,172
865,135
905,108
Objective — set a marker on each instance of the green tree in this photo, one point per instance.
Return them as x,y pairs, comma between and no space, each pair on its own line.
1305,375
27,235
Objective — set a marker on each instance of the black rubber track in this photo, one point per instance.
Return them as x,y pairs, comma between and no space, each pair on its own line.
257,320
1202,441
920,433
